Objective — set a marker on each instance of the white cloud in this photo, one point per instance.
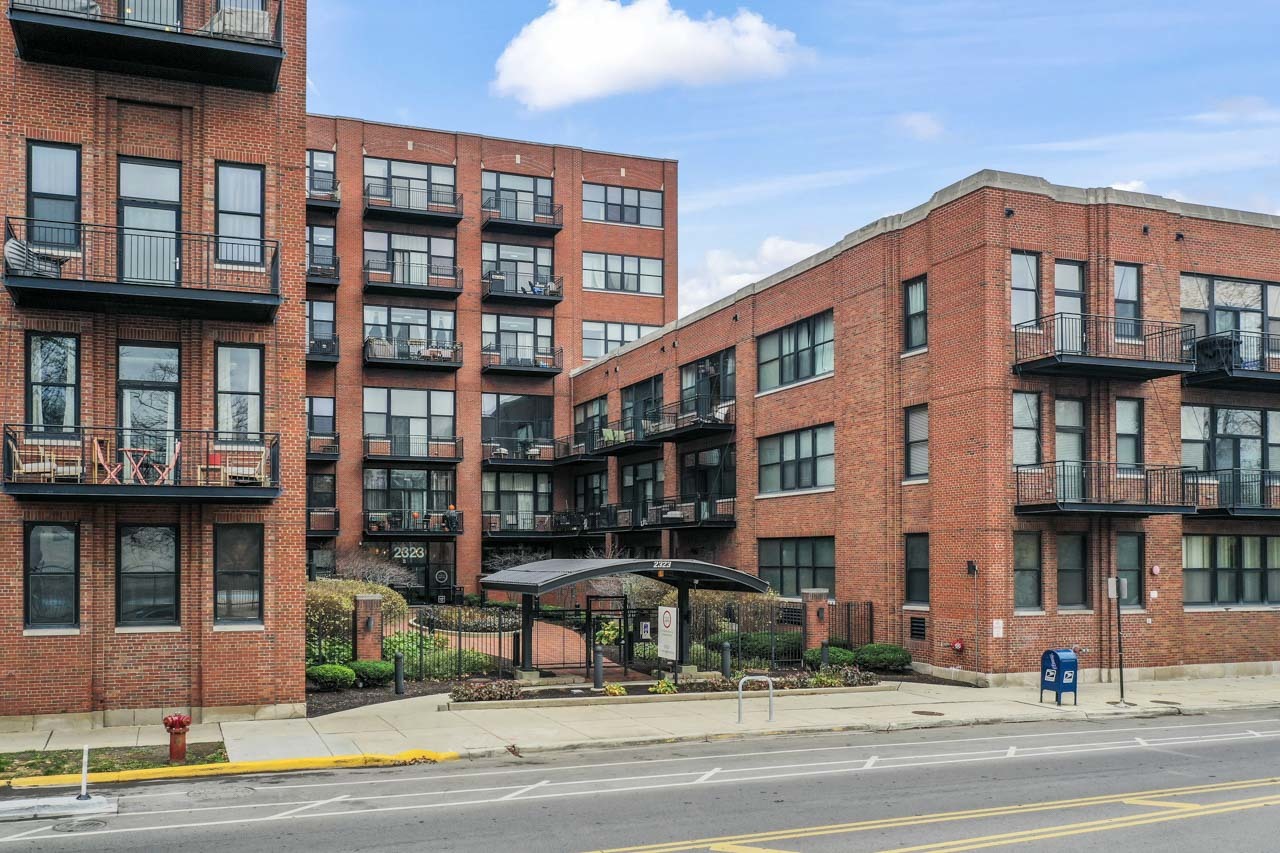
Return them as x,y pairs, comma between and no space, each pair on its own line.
920,126
1239,110
1131,186
722,272
580,50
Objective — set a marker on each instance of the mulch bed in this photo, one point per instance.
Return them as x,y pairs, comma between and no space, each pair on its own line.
321,702
576,691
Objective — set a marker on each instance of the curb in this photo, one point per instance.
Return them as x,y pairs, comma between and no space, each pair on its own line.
237,768
601,699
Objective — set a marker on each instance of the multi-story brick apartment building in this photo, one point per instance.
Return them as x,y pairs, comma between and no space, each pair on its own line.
453,281
153,343
973,414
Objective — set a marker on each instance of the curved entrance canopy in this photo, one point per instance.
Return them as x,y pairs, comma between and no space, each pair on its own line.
544,576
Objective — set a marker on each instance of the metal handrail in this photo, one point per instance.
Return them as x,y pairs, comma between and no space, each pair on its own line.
324,188
411,196
1097,336
1069,481
1237,349
314,512
413,446
197,18
320,270
517,449
412,521
495,207
511,355
706,410
412,350
501,283
432,276
322,443
1235,488
322,345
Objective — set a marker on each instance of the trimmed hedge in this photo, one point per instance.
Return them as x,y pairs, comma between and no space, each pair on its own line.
758,645
477,620
331,676
429,657
330,607
373,673
882,657
835,657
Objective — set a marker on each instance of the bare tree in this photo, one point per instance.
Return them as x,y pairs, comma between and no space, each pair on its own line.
359,564
497,559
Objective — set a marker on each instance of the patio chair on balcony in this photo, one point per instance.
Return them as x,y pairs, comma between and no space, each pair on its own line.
109,464
165,471
240,23
21,259
37,464
247,468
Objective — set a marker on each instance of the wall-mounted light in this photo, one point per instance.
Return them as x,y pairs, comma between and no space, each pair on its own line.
735,318
368,623
1008,212
971,567
1146,229
822,614
1179,237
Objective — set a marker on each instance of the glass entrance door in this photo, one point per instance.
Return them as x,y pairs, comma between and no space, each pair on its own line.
1069,450
148,401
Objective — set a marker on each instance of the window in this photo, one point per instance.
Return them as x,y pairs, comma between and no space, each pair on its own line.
410,490
321,179
411,418
640,402
1128,432
1073,576
804,459
321,491
601,338
53,379
1026,428
709,473
1069,438
320,415
523,416
52,569
589,418
515,269
409,185
915,314
622,204
917,568
796,352
708,382
1195,437
53,194
791,565
1128,295
320,249
147,575
518,498
409,258
320,561
1026,571
237,572
521,197
916,420
626,273
643,484
319,321
150,215
416,325
1129,563
1243,309
1222,439
1231,569
239,393
590,491
240,202
1025,304
516,339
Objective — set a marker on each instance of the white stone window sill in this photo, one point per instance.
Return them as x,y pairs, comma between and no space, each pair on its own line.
1017,613
809,381
149,629
916,351
915,481
1075,611
916,608
50,632
245,626
824,490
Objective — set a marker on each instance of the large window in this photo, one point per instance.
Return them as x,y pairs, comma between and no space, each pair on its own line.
1244,308
321,179
591,490
239,393
411,418
916,437
1026,428
796,352
53,194
1128,300
1025,297
1223,439
641,401
409,185
321,560
516,196
1027,588
517,498
708,382
625,273
320,415
915,314
1073,572
237,572
516,269
53,379
523,416
321,491
602,203
642,484
411,490
1130,548
320,249
790,565
516,339
1231,569
409,258
147,575
240,204
804,459
589,418
420,325
52,575
712,472
601,338
1128,432
917,568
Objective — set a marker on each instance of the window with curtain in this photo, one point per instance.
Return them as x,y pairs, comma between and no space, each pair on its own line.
393,323
147,575
917,441
53,378
52,575
791,565
409,185
803,459
1230,570
1025,297
797,352
514,268
409,416
240,201
237,572
521,197
625,273
411,258
405,489
916,546
515,338
915,318
517,497
53,194
239,393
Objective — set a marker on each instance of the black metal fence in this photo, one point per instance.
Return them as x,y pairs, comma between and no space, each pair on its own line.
408,274
413,350
258,22
1092,335
498,450
504,283
412,447
509,355
1105,483
850,624
412,194
391,521
511,209
1237,350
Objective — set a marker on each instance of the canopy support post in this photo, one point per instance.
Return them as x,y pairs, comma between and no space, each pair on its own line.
526,632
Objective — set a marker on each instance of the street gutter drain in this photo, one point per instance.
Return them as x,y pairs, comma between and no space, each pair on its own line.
929,713
78,825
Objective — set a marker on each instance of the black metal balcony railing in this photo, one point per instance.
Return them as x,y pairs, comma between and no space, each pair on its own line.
1092,343
533,288
322,521
411,351
538,213
1235,491
142,459
322,445
323,347
629,432
393,521
256,22
1236,359
324,267
323,188
412,198
688,511
564,523
1070,486
579,446
406,277
413,447
524,451
700,414
536,359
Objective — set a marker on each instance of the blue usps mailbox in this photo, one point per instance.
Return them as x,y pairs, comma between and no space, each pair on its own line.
1058,671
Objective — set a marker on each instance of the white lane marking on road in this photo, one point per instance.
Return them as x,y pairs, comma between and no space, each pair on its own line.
871,762
705,776
526,789
1013,750
1140,741
25,833
299,809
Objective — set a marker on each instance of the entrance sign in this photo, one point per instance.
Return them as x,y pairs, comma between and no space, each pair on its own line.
646,630
668,630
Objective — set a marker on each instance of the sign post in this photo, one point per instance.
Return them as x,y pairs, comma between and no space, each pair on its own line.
1117,591
669,635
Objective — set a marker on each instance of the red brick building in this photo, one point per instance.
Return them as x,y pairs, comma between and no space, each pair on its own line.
973,414
453,283
153,337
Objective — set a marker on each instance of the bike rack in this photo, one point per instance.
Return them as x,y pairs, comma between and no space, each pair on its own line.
743,681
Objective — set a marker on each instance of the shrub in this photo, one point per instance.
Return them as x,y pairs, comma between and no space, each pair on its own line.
329,650
429,657
487,691
477,620
615,690
329,610
665,687
609,633
883,657
373,673
331,676
825,678
835,657
644,651
758,644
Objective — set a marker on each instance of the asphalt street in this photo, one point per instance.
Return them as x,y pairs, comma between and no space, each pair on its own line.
1181,783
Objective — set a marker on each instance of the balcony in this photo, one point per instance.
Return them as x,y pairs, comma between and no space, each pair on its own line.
518,453
1235,493
695,511
322,522
112,270
1094,346
535,525
399,523
324,193
521,217
420,355
578,448
411,448
1236,360
404,203
508,287
405,279
194,41
699,417
1101,488
629,435
83,463
324,271
322,447
323,350
521,361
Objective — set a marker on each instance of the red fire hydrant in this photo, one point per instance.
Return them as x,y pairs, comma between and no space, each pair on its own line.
177,725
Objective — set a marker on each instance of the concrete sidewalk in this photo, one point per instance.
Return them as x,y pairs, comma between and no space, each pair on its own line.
422,723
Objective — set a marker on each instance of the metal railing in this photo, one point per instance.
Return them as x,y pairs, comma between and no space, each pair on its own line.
322,444
1233,488
498,283
1068,482
534,523
518,450
627,430
412,521
412,351
690,510
406,274
330,267
1237,350
323,346
143,457
324,188
414,196
413,446
498,208
118,255
579,444
1095,336
702,410
322,520
510,355
258,22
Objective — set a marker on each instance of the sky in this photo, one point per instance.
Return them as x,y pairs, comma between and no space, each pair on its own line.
796,122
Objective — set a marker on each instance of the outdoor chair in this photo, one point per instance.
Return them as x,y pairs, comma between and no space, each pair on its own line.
109,465
37,464
246,468
165,471
21,259
240,23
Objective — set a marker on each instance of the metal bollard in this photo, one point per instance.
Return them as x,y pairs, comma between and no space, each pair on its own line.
826,654
399,673
726,660
84,775
747,678
598,671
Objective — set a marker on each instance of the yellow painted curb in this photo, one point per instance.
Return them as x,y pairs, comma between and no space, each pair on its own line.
234,768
